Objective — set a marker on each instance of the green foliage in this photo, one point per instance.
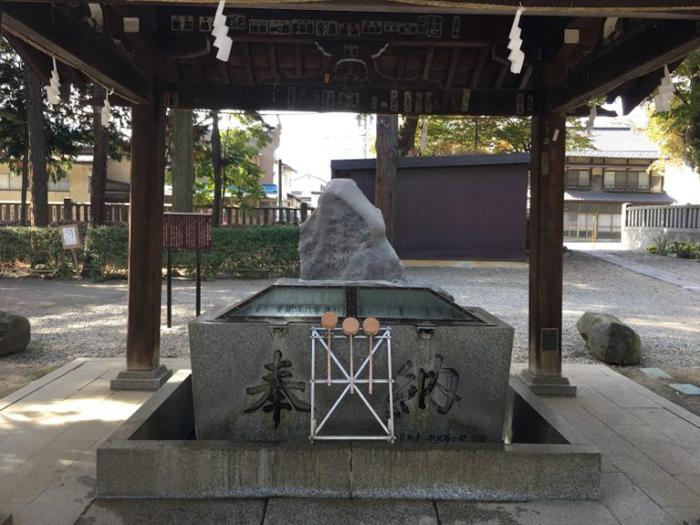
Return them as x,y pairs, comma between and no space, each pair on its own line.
455,136
680,249
107,250
678,130
246,137
254,251
68,126
36,248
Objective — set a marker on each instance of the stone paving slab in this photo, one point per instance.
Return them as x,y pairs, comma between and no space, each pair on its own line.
650,464
655,373
629,504
174,512
686,388
532,513
298,511
667,276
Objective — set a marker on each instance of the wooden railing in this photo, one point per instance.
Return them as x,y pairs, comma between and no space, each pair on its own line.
670,217
70,211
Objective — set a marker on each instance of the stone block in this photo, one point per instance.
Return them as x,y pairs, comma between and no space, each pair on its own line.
14,333
299,511
174,512
345,238
609,339
142,379
230,358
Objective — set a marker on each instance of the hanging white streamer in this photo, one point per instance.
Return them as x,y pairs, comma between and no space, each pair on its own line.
515,42
222,41
105,113
53,90
662,101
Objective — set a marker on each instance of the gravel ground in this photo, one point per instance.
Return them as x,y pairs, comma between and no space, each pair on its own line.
78,318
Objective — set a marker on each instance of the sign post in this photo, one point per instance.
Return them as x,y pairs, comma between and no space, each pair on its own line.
186,231
70,238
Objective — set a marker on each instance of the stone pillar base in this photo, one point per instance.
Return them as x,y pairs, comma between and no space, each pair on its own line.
545,385
141,379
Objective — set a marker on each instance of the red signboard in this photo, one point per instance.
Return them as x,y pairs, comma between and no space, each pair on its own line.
187,231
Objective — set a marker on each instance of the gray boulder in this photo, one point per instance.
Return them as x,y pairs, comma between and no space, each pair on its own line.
610,340
345,238
14,333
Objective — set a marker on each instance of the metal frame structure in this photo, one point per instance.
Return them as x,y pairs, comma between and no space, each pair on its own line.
382,339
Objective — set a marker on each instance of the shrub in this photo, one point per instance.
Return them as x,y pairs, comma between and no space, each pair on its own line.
253,251
36,248
107,251
681,249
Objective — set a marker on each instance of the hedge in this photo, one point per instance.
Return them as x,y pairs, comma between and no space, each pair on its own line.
252,251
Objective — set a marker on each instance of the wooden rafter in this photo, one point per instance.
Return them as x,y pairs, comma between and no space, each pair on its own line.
75,44
628,58
504,102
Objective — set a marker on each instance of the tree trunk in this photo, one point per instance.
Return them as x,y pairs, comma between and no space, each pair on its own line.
39,185
25,179
98,182
407,137
183,163
216,164
387,163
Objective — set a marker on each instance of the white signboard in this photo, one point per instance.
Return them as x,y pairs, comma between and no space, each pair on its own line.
70,237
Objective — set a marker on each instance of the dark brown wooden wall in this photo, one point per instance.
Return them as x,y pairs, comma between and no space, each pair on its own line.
455,212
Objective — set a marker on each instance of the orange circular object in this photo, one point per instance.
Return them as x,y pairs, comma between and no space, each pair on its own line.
329,320
370,326
351,326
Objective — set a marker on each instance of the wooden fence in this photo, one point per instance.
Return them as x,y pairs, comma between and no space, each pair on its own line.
672,217
70,211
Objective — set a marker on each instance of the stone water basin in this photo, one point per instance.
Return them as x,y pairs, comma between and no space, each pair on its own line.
450,365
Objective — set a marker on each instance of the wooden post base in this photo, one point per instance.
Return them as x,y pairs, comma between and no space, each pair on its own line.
543,385
142,379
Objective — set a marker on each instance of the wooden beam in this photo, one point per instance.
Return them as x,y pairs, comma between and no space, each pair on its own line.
452,71
483,58
429,54
548,160
628,58
74,43
299,97
145,236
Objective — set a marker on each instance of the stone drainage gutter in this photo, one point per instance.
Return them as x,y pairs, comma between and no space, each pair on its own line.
152,455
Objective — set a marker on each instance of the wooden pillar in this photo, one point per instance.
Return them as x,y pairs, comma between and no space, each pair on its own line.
547,174
145,250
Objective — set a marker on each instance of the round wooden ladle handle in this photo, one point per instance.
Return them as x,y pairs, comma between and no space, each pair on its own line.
329,320
350,328
370,327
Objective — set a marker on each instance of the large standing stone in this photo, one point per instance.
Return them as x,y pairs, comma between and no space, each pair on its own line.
610,340
14,333
345,238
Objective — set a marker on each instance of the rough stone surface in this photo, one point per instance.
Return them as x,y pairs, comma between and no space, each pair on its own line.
14,333
174,512
588,319
229,358
141,461
345,238
5,519
141,379
299,511
610,340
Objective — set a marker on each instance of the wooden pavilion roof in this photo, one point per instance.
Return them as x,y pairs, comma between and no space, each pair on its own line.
408,56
